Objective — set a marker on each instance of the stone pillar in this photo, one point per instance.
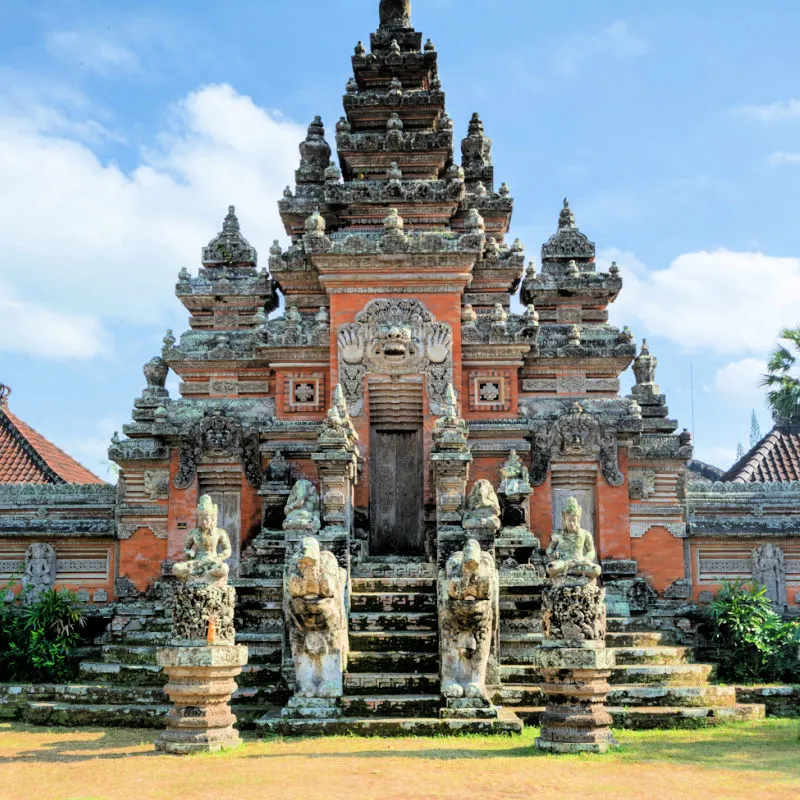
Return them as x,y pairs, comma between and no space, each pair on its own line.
450,460
202,659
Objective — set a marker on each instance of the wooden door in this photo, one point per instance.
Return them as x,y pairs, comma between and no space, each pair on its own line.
396,492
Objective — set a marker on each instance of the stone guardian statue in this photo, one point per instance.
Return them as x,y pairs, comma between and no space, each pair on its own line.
468,614
40,571
315,607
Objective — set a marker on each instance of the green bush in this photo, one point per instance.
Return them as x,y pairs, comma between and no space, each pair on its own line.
754,643
38,639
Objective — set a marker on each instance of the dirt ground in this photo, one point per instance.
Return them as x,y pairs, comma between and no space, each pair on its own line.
760,760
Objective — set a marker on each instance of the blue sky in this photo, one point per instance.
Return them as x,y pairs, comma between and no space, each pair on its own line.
126,129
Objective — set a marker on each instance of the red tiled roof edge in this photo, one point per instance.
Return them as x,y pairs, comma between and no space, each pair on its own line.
776,458
50,461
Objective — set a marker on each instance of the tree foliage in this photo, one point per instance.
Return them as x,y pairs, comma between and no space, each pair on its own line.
781,380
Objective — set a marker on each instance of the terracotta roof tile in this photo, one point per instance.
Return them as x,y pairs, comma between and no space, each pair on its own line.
776,458
28,457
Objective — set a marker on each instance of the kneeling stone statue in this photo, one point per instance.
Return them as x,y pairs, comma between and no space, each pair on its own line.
468,613
315,605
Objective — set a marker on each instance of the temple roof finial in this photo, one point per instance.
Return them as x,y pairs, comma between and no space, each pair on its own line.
229,247
566,219
395,13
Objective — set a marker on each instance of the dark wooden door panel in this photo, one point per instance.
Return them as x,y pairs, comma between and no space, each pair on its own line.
396,492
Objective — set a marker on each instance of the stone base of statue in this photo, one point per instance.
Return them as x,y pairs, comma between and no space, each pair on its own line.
201,682
574,609
575,684
468,708
198,606
312,708
515,546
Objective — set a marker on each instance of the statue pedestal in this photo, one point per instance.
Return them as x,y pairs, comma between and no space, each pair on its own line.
575,684
468,708
312,708
201,682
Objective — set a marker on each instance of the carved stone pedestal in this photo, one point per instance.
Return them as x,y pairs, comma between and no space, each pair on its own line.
468,708
575,684
195,607
201,682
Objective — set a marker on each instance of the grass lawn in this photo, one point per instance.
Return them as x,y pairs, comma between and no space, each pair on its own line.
760,760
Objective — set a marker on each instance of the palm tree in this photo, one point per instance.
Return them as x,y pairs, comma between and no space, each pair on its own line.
781,379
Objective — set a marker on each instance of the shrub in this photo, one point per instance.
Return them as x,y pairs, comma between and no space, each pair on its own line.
754,643
38,639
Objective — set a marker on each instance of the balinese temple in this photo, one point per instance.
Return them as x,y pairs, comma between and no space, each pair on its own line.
416,351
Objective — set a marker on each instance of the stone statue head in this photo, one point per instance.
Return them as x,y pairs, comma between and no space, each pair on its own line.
207,513
472,556
571,515
308,554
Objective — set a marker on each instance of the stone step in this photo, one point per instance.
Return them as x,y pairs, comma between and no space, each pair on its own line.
519,648
246,584
400,621
391,683
259,674
518,695
111,715
141,608
406,585
664,717
129,654
391,641
108,694
127,674
629,625
639,695
396,661
506,723
148,638
392,602
637,639
263,694
677,674
391,705
395,570
652,655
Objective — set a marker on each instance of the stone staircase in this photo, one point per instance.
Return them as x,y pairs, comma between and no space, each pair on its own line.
392,681
655,684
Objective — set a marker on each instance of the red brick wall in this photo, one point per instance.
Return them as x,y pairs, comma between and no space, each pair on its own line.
613,515
140,558
660,557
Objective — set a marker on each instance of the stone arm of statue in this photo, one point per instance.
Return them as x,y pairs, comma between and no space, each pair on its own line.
190,547
224,546
552,547
589,552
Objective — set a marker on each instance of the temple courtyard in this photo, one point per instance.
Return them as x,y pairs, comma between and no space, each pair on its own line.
751,760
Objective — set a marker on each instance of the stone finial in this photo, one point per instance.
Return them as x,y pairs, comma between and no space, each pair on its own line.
626,336
155,373
614,269
644,366
475,125
468,316
474,222
276,250
5,391
351,87
183,275
169,339
436,85
315,152
430,47
393,222
394,48
332,173
315,224
572,269
395,88
531,315
480,189
395,13
229,247
394,123
322,318
530,272
360,49
504,190
574,335
287,193
394,173
566,219
343,125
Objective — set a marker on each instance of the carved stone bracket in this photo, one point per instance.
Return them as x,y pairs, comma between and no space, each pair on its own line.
395,337
216,436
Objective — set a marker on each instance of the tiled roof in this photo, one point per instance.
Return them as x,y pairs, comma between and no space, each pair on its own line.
776,458
27,457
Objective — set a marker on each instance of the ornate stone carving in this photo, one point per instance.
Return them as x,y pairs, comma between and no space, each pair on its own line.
514,479
218,436
229,247
483,509
468,614
156,484
395,337
203,603
302,509
315,610
40,570
568,242
574,612
576,434
641,484
571,550
395,13
769,570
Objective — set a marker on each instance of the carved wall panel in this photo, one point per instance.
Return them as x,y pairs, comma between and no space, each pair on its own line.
304,393
395,337
490,390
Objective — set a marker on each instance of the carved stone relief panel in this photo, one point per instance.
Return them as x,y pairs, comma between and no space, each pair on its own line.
395,337
304,392
769,570
490,390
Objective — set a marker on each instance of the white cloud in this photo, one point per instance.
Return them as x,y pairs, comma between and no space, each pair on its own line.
38,331
614,41
740,382
84,235
771,112
92,49
722,457
721,302
780,158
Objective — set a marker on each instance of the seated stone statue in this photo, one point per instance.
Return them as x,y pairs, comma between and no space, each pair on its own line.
468,613
515,479
483,508
207,548
571,549
302,508
314,605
